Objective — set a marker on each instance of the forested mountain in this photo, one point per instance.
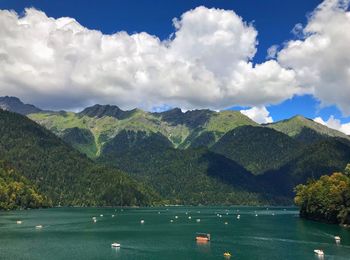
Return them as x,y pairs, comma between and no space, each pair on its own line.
61,173
258,149
200,156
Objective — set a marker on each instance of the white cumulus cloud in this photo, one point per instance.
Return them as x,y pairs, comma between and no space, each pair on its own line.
58,63
321,58
335,124
259,114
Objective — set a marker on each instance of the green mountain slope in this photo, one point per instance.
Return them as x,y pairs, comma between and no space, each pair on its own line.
61,173
306,130
190,129
258,149
191,176
321,158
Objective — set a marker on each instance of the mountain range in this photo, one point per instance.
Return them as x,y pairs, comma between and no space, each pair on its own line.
192,157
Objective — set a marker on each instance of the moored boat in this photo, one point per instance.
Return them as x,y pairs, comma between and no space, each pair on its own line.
115,245
203,237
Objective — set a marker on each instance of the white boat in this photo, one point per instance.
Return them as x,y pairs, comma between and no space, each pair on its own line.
115,245
176,217
171,221
319,252
189,217
337,238
19,222
142,221
95,220
101,215
38,226
198,220
238,216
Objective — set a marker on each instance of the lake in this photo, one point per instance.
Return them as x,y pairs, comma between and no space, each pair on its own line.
70,233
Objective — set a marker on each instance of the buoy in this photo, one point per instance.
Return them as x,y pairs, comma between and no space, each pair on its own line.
227,255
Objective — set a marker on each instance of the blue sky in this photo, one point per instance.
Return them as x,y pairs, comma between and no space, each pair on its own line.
272,19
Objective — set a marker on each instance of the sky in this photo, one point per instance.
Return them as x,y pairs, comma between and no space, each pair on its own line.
270,59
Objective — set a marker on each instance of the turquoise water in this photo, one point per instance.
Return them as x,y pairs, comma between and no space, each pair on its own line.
69,233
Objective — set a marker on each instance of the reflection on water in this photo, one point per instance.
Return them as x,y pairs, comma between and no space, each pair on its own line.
203,246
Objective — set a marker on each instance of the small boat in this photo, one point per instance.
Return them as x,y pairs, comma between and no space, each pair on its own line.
112,216
171,221
115,245
38,226
101,215
337,238
189,217
142,221
176,217
198,220
95,220
203,237
226,223
19,222
227,255
256,215
238,216
319,252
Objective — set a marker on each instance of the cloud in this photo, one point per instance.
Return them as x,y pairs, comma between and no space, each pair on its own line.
259,114
58,63
272,52
335,124
321,58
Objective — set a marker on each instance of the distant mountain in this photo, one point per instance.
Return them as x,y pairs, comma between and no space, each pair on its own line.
257,149
13,104
306,130
60,172
190,129
202,156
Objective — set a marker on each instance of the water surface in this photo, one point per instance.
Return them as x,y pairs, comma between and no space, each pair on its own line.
70,233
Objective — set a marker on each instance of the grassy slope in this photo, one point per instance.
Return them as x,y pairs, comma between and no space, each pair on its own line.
295,126
180,134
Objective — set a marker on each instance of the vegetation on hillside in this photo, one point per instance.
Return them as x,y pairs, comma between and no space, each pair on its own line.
17,192
257,149
191,176
326,199
306,130
61,173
